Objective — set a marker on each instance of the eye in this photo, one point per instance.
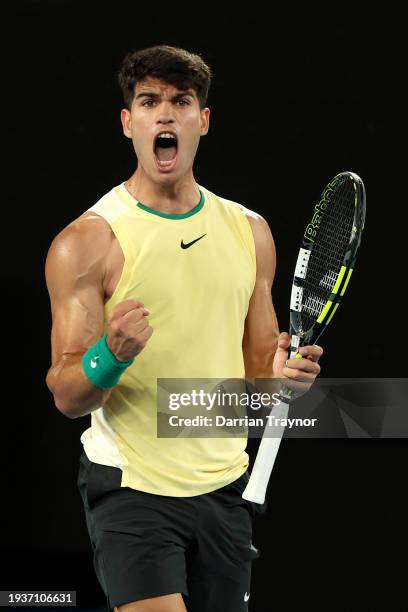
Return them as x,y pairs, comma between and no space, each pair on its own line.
182,102
147,102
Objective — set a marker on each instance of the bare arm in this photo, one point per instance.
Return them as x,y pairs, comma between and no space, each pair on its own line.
261,326
74,271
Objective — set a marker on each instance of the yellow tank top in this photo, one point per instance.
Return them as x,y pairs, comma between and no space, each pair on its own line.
198,298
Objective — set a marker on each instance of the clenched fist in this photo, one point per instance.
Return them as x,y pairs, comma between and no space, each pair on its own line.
128,329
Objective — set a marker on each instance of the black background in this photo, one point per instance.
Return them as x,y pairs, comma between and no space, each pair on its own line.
298,95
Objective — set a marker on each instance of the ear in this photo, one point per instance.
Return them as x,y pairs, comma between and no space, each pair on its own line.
126,119
204,121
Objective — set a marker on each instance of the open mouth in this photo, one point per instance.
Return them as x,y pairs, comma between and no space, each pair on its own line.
165,150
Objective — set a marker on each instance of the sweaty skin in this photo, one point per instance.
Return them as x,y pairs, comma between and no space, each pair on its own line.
83,266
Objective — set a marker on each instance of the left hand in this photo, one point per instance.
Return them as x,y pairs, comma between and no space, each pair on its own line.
302,370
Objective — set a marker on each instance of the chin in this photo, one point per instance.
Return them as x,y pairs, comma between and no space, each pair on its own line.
168,178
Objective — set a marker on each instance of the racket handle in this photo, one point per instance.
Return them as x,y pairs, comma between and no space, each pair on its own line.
255,491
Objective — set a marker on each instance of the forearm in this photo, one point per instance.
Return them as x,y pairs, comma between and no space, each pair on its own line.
259,359
259,368
74,394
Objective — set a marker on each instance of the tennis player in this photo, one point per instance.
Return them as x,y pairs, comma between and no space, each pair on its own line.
162,278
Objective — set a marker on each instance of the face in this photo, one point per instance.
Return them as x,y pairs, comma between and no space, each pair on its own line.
161,108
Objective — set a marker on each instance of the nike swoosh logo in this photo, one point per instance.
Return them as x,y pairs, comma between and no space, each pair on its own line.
246,596
185,245
94,363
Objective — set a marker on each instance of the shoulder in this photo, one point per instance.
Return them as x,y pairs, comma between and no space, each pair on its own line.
81,247
260,227
89,230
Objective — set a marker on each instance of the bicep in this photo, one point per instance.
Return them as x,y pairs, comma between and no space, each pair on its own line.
74,281
261,325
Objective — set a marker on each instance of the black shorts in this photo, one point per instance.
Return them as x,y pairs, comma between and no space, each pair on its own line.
147,545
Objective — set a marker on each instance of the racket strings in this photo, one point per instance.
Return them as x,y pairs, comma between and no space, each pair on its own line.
327,256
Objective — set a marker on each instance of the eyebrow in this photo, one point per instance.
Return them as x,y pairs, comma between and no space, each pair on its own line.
152,94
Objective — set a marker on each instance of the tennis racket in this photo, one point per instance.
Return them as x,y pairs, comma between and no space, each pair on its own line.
324,266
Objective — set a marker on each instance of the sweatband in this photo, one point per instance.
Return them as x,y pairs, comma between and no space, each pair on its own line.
101,366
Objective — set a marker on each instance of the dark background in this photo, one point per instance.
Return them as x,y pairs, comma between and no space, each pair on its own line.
298,95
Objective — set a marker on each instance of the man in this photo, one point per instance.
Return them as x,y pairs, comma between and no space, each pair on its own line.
161,278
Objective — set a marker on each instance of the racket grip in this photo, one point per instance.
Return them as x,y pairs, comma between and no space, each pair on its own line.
294,346
255,491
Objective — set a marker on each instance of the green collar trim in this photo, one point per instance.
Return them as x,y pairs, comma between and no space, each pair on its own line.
192,212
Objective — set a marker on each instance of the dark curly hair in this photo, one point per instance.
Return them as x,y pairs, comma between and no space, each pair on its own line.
172,65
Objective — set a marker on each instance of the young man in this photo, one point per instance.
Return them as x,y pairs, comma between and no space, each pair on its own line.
162,278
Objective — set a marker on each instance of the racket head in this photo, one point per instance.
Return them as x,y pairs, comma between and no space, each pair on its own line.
327,256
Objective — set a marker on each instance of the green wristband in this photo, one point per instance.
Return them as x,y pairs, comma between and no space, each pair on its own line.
101,366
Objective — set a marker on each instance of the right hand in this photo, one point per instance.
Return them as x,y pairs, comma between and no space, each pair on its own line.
128,329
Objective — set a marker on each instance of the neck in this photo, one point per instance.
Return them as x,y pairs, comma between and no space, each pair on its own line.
168,197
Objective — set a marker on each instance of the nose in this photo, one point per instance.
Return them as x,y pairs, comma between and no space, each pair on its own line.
165,114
